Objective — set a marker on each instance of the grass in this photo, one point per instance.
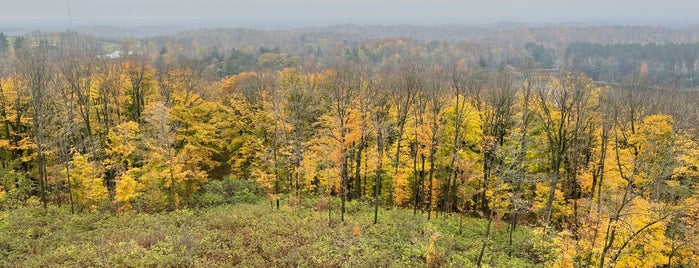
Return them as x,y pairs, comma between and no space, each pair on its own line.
253,235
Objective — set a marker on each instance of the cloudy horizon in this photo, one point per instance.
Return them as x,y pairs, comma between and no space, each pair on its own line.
60,13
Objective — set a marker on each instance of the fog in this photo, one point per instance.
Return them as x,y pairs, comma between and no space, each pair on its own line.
62,13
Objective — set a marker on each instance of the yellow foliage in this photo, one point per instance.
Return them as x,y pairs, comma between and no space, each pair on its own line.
231,84
647,249
688,157
565,249
126,191
265,179
121,145
151,186
559,207
4,143
585,181
432,253
401,188
138,85
500,195
87,186
353,126
316,163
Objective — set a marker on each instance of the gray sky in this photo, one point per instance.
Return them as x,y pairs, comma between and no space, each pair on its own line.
308,12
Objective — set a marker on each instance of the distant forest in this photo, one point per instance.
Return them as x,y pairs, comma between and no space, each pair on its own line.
605,53
668,65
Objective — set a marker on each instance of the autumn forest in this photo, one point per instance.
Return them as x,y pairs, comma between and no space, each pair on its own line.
484,146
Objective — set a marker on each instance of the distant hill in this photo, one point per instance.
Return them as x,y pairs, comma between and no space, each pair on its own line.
138,31
106,30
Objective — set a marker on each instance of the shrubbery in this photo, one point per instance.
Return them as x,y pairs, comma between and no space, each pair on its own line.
253,235
227,191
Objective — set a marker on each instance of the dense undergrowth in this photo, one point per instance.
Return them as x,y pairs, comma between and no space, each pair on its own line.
254,235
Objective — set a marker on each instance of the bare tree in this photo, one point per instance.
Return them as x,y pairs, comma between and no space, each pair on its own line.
77,68
34,65
435,92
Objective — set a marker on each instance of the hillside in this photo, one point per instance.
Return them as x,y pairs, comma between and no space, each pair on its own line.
603,158
254,235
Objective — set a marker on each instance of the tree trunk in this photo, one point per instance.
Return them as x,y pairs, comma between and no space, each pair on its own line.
42,173
343,170
552,191
396,162
70,190
416,181
485,239
429,195
358,169
379,170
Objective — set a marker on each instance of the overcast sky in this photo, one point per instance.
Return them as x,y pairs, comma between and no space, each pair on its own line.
182,12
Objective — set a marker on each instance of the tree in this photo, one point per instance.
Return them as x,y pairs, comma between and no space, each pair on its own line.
633,174
407,80
125,154
380,112
139,88
34,65
17,144
77,68
342,94
435,94
87,186
540,54
518,202
301,114
496,112
563,111
259,144
173,155
237,62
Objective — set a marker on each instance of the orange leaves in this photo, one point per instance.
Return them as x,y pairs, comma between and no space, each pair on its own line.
356,230
401,187
233,83
353,126
433,258
342,133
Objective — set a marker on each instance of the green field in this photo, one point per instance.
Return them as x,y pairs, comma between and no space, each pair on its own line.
255,235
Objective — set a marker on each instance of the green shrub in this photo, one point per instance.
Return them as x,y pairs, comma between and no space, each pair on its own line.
244,196
13,199
209,199
232,185
228,190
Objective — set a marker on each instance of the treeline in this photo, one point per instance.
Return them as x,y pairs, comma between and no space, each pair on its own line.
611,173
667,65
502,35
606,53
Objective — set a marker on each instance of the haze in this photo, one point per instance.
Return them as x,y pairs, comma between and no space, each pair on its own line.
320,12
